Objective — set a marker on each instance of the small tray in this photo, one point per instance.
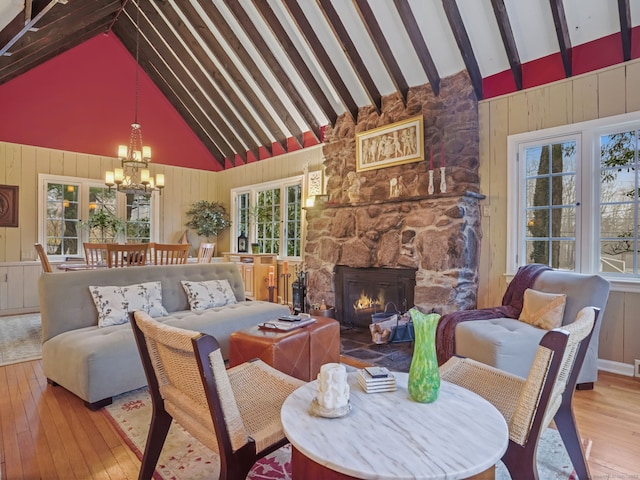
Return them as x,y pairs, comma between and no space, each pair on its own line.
319,411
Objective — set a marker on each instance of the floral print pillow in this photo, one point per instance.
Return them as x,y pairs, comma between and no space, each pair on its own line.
115,302
210,294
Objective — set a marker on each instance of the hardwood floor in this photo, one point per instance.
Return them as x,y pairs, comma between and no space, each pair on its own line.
47,432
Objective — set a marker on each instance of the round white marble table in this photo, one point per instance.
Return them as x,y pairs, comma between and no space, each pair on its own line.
389,436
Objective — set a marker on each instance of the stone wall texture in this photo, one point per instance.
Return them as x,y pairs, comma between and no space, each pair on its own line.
438,234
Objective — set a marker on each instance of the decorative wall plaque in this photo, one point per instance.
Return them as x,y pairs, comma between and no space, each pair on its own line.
8,205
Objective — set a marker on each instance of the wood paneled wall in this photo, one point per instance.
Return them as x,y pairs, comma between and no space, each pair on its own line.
600,94
21,164
282,166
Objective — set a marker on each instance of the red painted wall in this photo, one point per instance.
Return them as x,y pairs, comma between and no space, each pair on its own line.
587,57
84,101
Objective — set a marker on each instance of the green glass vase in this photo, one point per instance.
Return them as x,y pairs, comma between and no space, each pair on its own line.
424,377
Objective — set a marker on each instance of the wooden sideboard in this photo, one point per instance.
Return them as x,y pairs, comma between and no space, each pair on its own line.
254,268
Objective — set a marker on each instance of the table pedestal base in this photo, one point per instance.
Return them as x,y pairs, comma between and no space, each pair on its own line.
303,468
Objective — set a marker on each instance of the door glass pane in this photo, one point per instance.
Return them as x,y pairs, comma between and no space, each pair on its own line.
550,199
619,184
62,233
104,224
138,221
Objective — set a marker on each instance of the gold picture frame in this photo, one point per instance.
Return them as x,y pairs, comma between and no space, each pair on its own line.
390,145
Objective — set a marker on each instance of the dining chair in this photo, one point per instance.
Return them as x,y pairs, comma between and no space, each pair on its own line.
529,404
44,260
234,412
127,255
170,254
205,252
95,253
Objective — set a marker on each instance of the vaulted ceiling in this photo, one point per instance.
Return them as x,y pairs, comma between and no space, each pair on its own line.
246,74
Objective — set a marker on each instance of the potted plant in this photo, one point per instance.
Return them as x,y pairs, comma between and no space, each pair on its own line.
208,218
104,225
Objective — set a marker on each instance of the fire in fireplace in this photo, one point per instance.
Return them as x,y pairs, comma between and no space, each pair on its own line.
361,292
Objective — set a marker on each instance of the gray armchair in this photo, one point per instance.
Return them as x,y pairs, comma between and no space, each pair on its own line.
510,345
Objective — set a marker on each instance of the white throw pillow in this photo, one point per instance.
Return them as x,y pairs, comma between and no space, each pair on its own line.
543,310
115,302
209,294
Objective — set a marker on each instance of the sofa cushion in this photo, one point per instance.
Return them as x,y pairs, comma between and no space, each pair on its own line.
209,294
114,302
543,310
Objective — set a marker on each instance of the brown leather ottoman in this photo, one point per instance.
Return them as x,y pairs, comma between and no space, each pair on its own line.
299,353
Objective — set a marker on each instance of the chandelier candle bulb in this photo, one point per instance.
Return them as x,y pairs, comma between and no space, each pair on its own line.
160,180
118,175
152,183
109,179
146,152
144,176
123,151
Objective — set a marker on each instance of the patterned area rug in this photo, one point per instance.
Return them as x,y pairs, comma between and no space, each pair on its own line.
20,338
183,457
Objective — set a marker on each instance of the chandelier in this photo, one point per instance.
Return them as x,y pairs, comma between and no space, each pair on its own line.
133,177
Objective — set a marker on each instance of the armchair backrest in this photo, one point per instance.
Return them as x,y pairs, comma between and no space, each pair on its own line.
44,259
178,375
205,252
95,253
555,369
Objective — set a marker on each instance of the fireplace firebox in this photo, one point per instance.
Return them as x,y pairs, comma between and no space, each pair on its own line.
361,292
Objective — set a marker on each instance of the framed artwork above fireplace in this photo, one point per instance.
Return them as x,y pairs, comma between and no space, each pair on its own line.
8,205
390,145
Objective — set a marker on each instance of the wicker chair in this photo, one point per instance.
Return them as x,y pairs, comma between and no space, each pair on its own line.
205,252
170,254
530,404
234,412
44,260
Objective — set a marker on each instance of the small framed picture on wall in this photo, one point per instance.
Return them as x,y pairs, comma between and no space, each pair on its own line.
8,205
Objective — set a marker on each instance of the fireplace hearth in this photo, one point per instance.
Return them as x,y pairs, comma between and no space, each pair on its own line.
361,292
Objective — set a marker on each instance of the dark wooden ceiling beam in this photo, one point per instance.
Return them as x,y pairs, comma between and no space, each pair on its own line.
315,44
420,46
163,78
562,32
384,50
464,44
187,72
153,51
350,50
62,22
624,12
252,69
504,25
298,63
269,58
42,53
249,117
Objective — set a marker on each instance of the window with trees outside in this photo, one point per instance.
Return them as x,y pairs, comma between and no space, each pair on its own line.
75,210
574,198
270,215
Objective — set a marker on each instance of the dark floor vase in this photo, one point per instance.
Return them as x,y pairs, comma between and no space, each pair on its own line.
424,377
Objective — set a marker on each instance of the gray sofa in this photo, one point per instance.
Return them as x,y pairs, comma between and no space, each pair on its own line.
98,363
510,345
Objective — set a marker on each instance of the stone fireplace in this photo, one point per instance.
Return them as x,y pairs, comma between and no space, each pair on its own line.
361,292
436,235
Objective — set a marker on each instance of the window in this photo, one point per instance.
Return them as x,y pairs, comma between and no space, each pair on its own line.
77,210
270,215
574,198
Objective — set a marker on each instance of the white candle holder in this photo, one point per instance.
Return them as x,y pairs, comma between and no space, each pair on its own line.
443,181
430,190
332,395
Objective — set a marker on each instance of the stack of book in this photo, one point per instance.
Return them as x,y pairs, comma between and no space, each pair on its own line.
376,379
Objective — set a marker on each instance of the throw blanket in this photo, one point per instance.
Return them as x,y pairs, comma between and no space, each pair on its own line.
511,307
